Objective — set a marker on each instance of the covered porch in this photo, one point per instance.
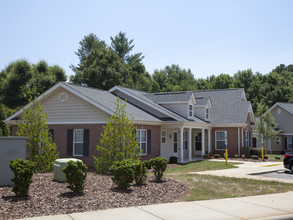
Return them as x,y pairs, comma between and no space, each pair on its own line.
185,143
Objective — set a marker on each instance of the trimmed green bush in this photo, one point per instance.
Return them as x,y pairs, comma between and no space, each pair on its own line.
148,164
242,156
282,152
159,165
123,173
23,172
75,173
256,151
265,157
140,173
254,157
216,156
173,159
236,155
277,158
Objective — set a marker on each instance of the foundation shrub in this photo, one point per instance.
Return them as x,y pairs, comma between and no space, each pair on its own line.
75,173
123,173
173,160
159,165
23,172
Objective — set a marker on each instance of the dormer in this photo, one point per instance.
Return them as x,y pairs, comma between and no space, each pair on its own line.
243,97
191,105
202,109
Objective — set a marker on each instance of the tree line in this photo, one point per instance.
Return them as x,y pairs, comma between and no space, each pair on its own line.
104,66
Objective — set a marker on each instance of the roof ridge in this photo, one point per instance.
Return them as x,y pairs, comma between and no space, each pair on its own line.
87,87
209,90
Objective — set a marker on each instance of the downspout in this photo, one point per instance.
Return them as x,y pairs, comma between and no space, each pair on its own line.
238,140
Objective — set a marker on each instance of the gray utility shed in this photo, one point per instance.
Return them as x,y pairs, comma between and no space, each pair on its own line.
10,148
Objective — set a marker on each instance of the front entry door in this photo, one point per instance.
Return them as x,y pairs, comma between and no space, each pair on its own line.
198,144
175,144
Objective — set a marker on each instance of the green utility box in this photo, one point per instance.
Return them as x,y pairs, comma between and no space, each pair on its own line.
59,164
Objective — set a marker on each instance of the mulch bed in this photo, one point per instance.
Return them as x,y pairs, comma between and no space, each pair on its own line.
48,197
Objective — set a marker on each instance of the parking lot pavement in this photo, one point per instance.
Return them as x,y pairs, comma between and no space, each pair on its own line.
283,174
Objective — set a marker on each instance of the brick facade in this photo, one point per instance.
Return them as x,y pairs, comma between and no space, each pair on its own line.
232,140
95,130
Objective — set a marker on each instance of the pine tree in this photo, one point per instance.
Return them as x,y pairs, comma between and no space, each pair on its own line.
118,140
40,148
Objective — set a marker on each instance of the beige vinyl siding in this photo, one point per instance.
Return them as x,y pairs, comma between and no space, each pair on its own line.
167,148
141,105
181,109
284,120
200,112
74,109
276,147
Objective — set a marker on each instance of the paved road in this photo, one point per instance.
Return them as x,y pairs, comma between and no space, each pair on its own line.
282,174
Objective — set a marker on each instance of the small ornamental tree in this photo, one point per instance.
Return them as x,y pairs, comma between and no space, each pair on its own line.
267,126
40,148
118,140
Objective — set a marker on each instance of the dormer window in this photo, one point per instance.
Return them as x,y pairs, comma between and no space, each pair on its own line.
190,110
207,113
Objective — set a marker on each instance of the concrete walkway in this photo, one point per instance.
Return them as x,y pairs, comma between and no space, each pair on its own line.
249,170
273,206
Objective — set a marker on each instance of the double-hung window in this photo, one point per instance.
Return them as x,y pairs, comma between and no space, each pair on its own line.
185,140
246,139
277,140
141,138
207,113
289,144
220,140
163,137
78,142
190,110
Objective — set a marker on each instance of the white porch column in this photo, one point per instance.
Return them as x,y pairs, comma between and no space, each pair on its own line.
209,140
189,145
181,145
202,142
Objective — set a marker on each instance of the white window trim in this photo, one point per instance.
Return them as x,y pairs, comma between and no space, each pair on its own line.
207,114
246,139
146,141
216,140
163,137
185,132
289,138
177,142
192,111
77,155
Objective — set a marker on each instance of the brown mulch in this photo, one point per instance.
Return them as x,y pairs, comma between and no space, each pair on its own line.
48,197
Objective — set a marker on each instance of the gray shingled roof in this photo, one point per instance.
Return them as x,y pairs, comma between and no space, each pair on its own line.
286,105
202,100
226,105
107,100
143,95
169,96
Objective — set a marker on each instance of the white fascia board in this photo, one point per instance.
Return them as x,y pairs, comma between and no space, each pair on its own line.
166,103
63,85
230,125
136,122
165,111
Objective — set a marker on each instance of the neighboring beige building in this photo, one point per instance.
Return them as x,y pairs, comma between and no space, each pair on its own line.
283,115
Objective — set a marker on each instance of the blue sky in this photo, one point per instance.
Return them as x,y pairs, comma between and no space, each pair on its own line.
208,37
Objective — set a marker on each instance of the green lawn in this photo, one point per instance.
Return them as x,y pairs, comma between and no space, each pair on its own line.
204,187
202,166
